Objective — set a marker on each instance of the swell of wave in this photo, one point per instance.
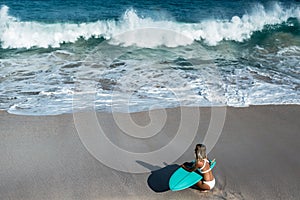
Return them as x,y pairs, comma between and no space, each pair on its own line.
132,29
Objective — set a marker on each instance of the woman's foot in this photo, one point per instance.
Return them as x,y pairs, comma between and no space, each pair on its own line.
204,191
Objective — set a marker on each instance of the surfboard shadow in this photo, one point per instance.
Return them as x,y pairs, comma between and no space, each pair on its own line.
159,178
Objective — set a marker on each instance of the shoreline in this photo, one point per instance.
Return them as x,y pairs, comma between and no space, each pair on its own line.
42,157
142,111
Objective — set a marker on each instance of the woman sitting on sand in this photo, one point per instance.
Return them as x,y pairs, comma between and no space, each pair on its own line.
202,163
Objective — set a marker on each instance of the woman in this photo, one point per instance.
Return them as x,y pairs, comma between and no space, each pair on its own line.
202,163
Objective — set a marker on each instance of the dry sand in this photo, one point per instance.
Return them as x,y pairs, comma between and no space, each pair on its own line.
42,157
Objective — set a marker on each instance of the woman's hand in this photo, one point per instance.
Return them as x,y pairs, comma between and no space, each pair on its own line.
184,167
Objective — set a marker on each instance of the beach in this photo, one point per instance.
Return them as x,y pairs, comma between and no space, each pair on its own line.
42,157
106,99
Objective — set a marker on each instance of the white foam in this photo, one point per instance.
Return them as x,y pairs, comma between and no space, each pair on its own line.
292,50
140,31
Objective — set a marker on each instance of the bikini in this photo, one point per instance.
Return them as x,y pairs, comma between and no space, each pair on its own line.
211,183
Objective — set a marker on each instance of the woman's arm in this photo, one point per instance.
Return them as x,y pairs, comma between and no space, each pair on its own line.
192,169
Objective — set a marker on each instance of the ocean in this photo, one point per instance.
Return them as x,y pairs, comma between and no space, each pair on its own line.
131,56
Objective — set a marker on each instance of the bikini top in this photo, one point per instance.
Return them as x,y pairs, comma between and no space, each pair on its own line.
205,162
212,165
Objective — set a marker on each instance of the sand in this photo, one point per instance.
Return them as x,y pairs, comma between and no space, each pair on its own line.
42,157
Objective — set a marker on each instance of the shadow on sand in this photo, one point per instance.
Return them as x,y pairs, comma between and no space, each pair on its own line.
159,178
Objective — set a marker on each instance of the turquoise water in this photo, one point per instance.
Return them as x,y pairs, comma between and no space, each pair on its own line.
140,55
93,10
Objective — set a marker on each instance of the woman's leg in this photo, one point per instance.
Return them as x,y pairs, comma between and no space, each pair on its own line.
203,186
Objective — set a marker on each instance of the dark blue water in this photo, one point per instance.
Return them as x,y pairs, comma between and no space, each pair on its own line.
160,53
93,10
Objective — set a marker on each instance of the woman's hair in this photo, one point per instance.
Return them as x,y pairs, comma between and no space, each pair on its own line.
200,151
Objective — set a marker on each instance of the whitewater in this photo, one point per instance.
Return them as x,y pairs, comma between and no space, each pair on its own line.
22,34
140,61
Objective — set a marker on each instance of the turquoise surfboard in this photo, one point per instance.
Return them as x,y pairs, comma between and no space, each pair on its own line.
182,179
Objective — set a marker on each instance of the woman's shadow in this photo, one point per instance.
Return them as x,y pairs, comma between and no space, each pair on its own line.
159,178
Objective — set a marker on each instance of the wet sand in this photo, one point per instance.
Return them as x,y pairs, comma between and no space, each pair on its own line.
42,157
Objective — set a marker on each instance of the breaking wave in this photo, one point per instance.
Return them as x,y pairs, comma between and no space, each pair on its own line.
142,31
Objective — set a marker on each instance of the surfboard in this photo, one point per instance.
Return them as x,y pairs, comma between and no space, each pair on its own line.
182,179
